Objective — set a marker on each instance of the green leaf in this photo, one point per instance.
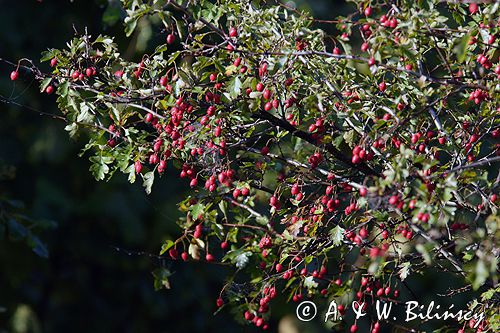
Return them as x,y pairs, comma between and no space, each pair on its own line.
197,210
99,167
38,247
45,83
17,231
165,247
148,180
111,15
337,235
460,48
425,253
234,87
404,270
62,89
161,276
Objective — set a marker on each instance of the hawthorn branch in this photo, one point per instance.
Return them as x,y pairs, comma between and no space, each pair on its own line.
307,137
450,257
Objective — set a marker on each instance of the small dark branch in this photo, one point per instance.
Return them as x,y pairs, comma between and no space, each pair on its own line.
307,137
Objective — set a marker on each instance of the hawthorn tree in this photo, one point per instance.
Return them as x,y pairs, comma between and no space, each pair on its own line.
320,165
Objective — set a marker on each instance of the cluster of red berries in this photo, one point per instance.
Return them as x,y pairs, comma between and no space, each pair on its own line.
484,61
189,172
295,190
315,159
478,96
359,155
389,22
405,231
274,202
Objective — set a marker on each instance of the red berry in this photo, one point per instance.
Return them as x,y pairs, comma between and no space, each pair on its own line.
164,81
209,257
14,75
49,90
273,201
219,302
473,8
53,62
259,87
170,38
173,253
233,32
368,11
224,245
184,256
138,166
354,328
382,86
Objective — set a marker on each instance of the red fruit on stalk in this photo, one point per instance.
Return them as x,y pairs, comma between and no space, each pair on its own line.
381,86
49,90
368,11
473,8
53,62
219,302
163,81
393,200
268,106
209,257
170,38
173,253
14,75
138,166
233,32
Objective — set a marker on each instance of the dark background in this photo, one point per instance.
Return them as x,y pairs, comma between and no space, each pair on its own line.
86,284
